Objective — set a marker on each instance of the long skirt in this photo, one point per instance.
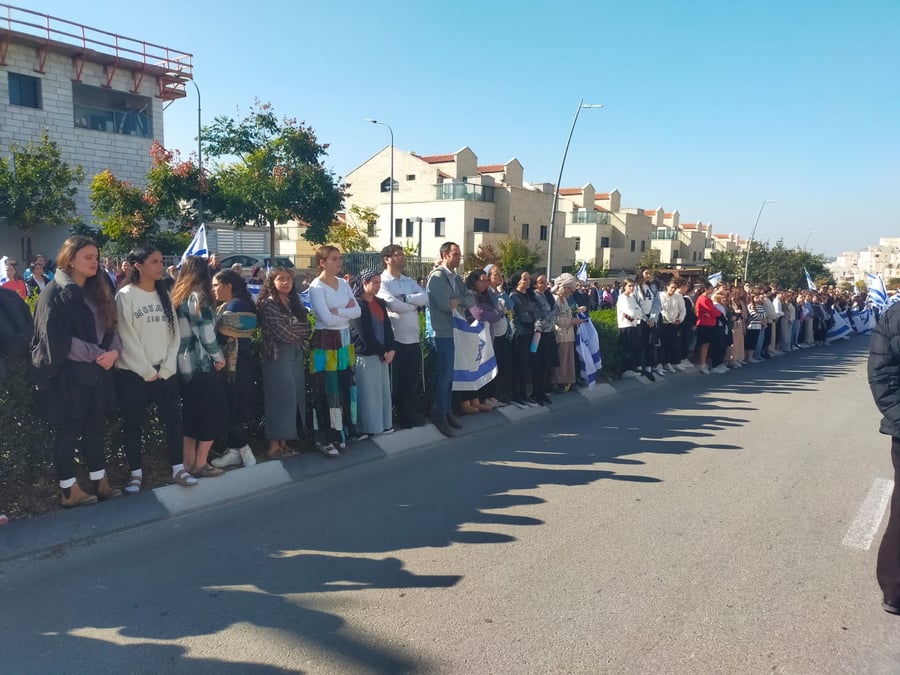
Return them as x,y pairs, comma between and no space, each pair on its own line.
564,373
204,407
284,393
333,385
373,385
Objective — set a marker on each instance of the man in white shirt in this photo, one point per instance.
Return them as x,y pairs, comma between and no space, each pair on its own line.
672,314
403,297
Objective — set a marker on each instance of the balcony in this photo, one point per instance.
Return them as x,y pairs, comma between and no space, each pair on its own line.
583,217
467,191
665,234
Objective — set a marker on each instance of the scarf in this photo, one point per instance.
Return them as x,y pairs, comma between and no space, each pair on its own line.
234,325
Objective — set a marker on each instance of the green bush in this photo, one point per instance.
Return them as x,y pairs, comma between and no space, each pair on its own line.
611,353
24,435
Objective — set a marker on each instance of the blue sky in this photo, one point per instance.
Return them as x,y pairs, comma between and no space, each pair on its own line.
710,107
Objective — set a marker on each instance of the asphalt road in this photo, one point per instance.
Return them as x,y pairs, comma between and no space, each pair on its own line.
700,526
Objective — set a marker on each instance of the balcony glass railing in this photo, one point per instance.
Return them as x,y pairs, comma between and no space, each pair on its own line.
128,122
664,234
468,191
580,217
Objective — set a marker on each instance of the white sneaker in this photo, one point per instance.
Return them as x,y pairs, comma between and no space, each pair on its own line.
719,369
671,368
659,370
756,360
703,368
681,367
232,457
247,456
775,352
630,374
687,364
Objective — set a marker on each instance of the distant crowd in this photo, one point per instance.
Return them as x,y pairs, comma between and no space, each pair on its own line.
115,338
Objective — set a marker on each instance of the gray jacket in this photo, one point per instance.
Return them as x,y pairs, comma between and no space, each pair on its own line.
444,286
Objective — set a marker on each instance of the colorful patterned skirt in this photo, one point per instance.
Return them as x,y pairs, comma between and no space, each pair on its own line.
333,385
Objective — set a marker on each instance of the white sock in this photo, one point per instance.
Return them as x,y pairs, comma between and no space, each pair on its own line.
137,473
67,483
98,475
176,468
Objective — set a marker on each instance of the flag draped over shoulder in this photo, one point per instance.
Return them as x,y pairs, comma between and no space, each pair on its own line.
877,290
841,327
474,364
863,320
587,349
197,246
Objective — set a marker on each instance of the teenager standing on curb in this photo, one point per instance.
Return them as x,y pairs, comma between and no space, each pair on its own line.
884,381
145,372
76,345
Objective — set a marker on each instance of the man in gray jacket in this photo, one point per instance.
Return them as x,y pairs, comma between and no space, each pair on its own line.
446,292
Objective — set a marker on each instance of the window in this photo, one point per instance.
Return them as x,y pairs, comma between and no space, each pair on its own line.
24,91
410,176
604,242
115,112
482,225
643,246
398,227
632,245
695,256
577,243
440,227
543,233
410,227
525,229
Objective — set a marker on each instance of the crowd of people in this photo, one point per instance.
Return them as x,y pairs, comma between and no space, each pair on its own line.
117,338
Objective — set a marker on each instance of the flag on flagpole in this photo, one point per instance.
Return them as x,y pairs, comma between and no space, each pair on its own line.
715,279
197,246
810,284
582,274
877,291
841,327
894,298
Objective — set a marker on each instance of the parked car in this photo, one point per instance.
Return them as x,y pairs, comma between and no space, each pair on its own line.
248,262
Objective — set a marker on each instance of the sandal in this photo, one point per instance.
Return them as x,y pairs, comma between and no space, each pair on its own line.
328,450
133,486
280,453
183,478
207,471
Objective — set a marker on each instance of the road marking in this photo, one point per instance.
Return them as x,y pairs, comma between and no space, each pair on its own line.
862,530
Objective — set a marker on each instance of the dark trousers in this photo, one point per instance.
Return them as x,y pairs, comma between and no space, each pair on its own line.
521,367
135,396
633,354
406,376
443,377
888,569
648,345
90,429
499,387
686,337
670,343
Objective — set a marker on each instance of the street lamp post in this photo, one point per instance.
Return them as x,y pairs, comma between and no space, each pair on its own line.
200,158
753,234
385,124
811,233
581,104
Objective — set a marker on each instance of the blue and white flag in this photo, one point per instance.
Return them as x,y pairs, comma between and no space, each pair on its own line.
304,298
894,298
582,274
841,327
877,291
863,320
715,279
197,246
474,363
587,349
810,284
3,277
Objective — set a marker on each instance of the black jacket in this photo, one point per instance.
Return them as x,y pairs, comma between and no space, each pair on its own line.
16,327
884,369
365,343
60,315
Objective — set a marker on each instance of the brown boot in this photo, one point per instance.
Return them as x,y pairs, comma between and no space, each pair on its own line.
104,490
75,496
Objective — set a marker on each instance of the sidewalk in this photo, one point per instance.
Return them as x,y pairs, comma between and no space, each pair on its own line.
51,533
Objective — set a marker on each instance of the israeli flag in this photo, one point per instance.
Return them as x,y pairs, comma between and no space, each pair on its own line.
304,298
582,274
894,298
863,320
197,246
841,327
715,279
877,291
3,277
810,284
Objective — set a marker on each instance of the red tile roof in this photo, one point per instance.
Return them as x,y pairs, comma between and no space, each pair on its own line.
444,175
689,226
601,195
669,215
437,159
492,168
569,192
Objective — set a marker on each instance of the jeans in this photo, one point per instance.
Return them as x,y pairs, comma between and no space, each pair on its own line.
443,377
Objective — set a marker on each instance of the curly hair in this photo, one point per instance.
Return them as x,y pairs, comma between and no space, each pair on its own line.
268,290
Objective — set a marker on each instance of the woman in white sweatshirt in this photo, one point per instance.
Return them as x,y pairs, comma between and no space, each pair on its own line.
629,316
146,367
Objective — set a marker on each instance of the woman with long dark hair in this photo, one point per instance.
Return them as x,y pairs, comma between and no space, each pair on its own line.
284,324
332,356
235,326
525,312
76,344
204,409
145,371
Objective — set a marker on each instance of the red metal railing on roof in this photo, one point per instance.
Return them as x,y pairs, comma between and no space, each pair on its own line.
172,67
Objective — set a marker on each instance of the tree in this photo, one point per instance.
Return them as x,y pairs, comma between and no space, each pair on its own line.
516,255
484,256
650,259
279,175
37,188
347,237
729,263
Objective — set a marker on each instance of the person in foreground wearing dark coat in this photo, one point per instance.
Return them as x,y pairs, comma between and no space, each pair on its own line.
884,381
76,345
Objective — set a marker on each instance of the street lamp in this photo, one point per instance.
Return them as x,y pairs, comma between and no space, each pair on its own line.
385,124
581,104
180,76
811,233
753,234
